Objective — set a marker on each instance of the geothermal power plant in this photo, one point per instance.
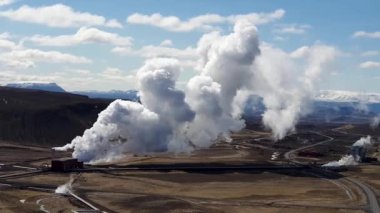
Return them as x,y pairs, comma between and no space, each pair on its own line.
161,106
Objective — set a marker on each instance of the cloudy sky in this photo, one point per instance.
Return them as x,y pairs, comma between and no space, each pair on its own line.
99,45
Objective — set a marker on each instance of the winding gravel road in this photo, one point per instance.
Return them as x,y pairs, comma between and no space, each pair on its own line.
373,203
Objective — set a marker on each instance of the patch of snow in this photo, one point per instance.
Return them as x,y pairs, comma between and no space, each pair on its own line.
275,156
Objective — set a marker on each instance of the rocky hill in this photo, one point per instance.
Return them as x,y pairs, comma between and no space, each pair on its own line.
45,118
52,87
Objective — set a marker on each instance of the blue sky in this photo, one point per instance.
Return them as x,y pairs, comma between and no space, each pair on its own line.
33,49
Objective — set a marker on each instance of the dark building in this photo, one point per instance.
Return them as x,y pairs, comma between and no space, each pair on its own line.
65,164
310,154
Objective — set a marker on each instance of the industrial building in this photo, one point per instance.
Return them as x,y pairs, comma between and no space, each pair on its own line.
65,164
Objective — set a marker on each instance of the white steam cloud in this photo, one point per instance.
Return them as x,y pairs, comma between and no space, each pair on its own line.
65,188
375,122
358,152
347,160
231,68
226,67
154,125
286,87
363,142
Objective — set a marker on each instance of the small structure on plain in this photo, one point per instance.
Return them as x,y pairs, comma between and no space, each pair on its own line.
65,164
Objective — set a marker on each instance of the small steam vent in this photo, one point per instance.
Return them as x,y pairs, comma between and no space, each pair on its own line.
65,164
359,153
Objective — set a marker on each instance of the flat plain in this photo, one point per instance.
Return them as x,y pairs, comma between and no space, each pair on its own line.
273,184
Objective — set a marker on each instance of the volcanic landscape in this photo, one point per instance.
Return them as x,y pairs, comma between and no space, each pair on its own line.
249,173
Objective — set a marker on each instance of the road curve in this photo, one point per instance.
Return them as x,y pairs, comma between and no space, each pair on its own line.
372,201
289,155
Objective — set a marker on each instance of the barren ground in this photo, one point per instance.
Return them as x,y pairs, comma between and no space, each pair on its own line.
286,190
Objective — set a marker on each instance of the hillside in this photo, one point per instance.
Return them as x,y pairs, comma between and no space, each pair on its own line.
51,87
41,117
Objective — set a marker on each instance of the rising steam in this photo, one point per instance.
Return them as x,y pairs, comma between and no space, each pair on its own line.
375,122
231,68
358,152
157,124
347,160
65,188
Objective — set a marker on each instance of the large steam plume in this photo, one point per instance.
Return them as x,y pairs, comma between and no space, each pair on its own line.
231,68
226,68
287,82
155,125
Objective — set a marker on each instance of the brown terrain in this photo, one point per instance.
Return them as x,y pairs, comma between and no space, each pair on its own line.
250,174
45,118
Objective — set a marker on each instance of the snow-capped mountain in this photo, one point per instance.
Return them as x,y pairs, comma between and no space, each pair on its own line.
347,96
323,95
51,87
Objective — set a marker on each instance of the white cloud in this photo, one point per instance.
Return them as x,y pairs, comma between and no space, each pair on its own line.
25,58
202,22
364,34
48,56
370,53
19,57
113,73
187,56
370,65
111,77
151,51
81,71
6,2
72,79
110,71
9,76
173,23
166,42
5,43
293,29
83,36
300,52
5,35
122,50
113,23
279,38
258,18
58,15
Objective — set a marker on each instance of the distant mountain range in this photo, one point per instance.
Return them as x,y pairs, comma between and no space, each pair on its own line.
329,105
323,95
113,94
347,96
51,87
